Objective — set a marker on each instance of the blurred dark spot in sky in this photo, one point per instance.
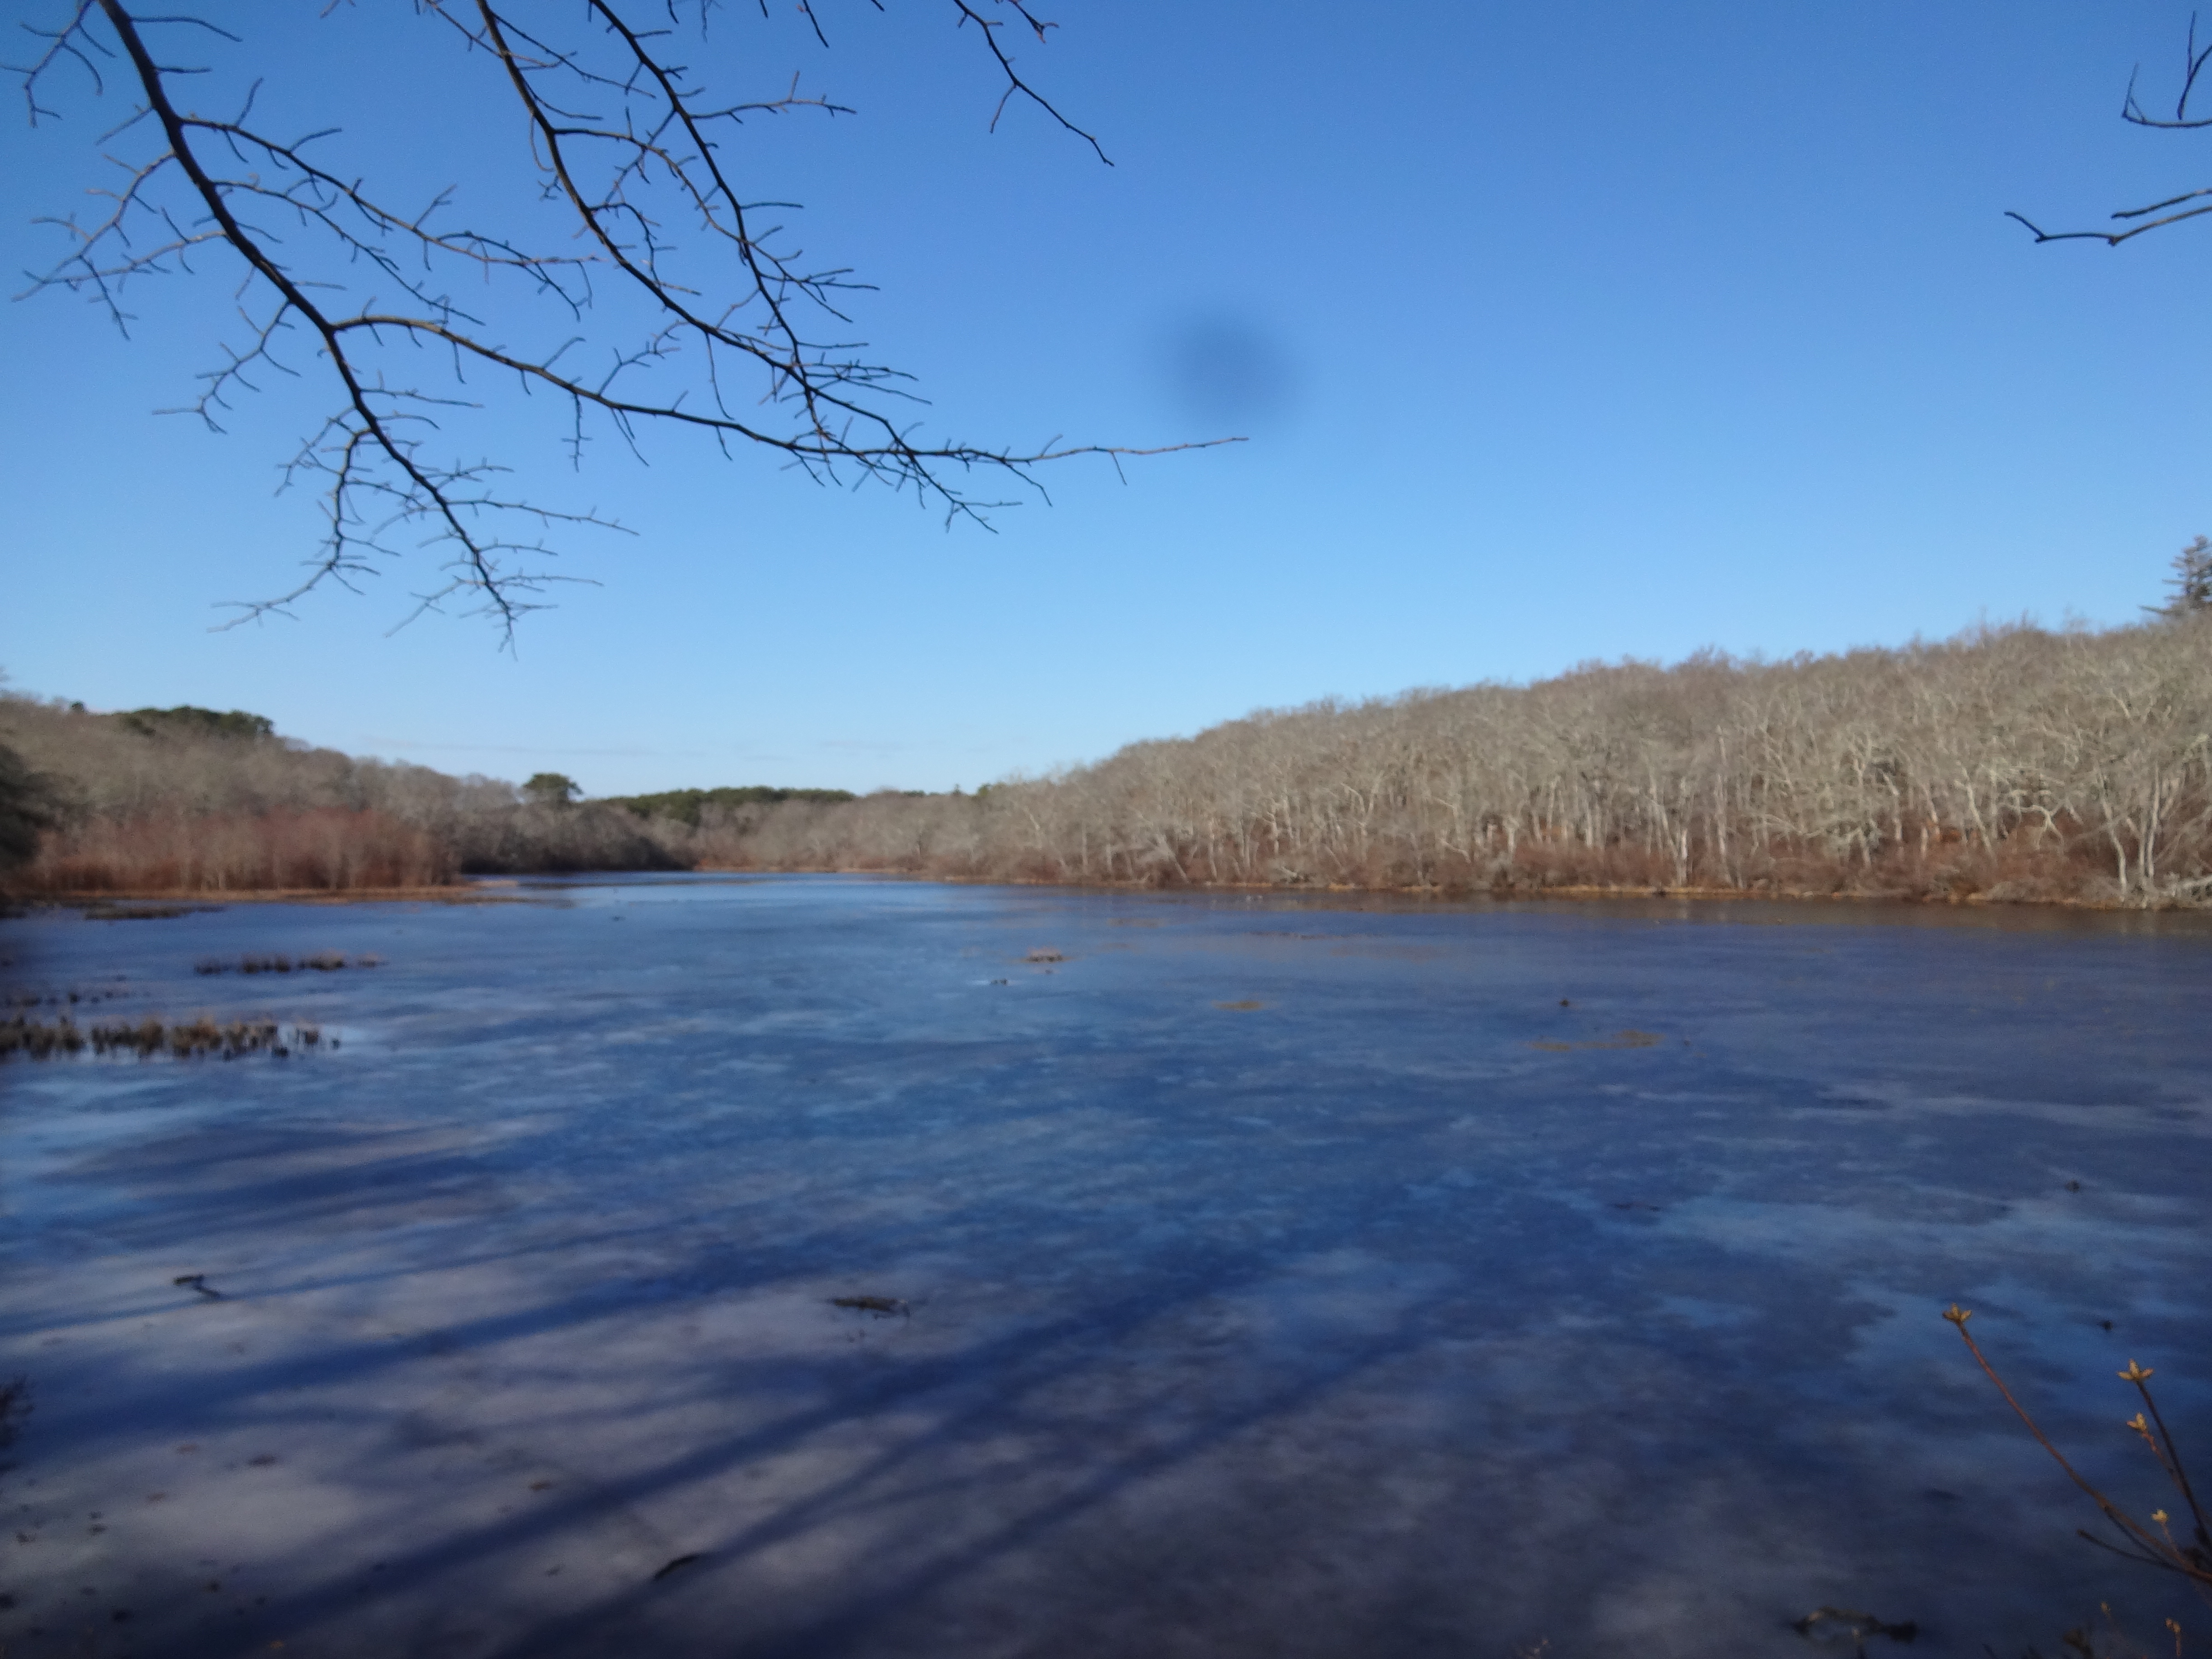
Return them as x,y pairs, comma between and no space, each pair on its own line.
1221,368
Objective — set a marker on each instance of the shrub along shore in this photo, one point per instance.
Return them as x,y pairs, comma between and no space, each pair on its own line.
2009,764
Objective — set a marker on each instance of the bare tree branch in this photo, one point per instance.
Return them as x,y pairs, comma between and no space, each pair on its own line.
630,145
2194,61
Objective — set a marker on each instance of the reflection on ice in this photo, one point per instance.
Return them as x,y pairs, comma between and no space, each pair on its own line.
1268,1278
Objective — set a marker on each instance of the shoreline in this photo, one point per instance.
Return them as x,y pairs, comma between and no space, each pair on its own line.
202,898
1508,894
504,889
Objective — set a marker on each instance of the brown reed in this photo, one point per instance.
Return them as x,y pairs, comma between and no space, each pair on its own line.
197,1039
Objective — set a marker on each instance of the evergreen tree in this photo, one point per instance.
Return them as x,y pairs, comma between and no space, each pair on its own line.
2191,581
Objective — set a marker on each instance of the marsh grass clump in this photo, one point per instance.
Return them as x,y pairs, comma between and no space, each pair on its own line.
883,1307
323,962
40,1039
199,1039
1618,1040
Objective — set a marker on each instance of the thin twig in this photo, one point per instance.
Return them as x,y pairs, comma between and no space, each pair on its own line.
2149,1547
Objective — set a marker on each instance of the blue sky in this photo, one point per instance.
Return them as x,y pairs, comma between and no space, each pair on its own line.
1565,332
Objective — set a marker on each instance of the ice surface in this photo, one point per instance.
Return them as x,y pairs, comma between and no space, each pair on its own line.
1354,1322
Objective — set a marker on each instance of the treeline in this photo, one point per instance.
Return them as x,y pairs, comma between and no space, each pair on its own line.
2009,763
690,806
192,801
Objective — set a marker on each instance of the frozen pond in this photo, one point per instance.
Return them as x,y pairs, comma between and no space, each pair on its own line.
1272,1278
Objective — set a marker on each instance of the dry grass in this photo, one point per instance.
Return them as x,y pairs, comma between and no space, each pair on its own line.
323,962
198,1039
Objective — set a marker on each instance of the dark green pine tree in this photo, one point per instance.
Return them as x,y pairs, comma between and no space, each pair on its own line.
550,789
2191,582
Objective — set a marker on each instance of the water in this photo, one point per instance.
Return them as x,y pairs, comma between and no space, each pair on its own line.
1415,1310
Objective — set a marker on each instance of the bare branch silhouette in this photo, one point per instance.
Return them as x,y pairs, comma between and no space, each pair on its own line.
627,144
2194,63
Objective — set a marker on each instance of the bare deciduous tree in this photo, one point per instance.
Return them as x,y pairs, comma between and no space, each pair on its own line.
674,299
2011,762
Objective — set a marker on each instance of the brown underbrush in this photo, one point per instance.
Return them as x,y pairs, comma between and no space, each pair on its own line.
328,850
2016,870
